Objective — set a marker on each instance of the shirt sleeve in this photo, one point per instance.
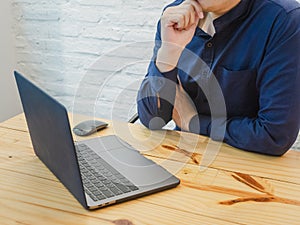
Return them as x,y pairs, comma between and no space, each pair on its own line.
276,126
157,93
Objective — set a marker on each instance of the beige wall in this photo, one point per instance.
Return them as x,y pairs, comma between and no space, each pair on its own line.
9,101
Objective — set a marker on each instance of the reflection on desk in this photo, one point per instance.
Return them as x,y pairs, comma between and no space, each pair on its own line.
236,187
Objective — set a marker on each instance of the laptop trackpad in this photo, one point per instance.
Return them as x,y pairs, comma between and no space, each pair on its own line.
135,167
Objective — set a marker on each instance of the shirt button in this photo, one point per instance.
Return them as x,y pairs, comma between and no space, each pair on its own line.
209,44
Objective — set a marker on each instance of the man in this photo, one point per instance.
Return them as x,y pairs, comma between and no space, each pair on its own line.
249,50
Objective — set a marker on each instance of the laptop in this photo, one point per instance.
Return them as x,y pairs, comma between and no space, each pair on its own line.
99,171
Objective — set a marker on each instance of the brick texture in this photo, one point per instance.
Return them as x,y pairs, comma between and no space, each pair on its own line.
90,54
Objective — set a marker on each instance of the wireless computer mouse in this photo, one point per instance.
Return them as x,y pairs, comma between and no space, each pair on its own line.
89,127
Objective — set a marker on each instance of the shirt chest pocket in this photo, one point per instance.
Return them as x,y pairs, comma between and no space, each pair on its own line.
239,91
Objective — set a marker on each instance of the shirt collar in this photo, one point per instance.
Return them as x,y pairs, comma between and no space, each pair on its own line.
239,12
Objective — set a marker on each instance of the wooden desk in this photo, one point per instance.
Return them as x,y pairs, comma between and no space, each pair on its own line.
237,188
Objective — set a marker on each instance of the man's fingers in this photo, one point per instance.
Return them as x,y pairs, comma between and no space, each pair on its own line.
198,9
192,18
182,22
196,6
183,16
180,19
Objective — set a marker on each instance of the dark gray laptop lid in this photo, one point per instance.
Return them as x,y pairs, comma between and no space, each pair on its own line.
51,136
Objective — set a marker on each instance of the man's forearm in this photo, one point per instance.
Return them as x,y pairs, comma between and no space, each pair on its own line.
156,97
167,57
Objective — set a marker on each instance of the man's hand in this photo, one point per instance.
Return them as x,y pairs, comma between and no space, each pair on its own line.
178,26
184,109
178,23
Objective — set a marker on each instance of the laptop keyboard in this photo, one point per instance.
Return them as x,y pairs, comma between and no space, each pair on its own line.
100,180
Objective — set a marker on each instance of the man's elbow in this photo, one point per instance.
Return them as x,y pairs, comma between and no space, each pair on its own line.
279,151
150,121
155,123
278,146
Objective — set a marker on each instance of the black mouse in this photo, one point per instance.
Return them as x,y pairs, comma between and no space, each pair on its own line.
89,127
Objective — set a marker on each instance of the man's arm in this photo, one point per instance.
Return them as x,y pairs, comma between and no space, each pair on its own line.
276,126
277,123
157,92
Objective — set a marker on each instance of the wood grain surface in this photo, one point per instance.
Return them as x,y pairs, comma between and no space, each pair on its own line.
235,187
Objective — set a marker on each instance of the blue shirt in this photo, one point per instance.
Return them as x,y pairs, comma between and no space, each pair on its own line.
253,61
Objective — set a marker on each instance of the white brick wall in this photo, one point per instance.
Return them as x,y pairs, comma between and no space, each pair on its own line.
57,41
9,106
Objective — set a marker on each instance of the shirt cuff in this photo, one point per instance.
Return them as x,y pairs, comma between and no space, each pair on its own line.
158,79
200,124
171,75
217,129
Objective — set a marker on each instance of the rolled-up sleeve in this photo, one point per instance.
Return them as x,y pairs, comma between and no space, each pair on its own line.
157,93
